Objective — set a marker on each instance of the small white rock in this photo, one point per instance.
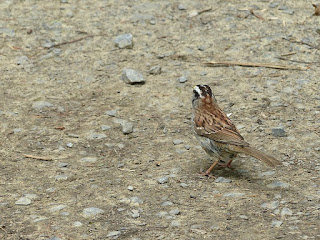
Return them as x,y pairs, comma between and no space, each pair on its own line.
24,201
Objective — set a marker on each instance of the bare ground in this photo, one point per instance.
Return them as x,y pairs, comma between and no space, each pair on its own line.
64,54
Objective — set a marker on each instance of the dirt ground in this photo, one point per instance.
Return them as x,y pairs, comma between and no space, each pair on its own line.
62,154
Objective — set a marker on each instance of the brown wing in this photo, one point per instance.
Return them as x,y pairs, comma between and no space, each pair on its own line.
218,127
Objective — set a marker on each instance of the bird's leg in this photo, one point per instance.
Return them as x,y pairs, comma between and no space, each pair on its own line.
206,173
226,165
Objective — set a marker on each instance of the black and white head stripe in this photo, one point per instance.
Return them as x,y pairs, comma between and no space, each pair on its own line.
202,91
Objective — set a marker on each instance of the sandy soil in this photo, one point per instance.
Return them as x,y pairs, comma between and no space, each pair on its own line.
61,72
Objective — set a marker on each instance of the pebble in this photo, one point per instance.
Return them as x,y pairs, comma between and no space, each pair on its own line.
88,159
274,4
243,217
77,224
268,173
54,238
135,213
61,177
163,179
175,211
136,200
105,127
51,190
187,147
278,184
183,79
96,136
278,132
182,7
40,105
233,194
288,11
223,180
62,165
57,208
24,201
127,127
276,223
69,145
162,214
271,205
131,76
130,188
111,113
177,141
22,60
175,223
285,211
155,70
113,234
92,211
167,203
7,31
184,185
124,41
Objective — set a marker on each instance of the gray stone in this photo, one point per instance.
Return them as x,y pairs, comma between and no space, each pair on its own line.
271,205
175,223
167,203
77,224
96,136
124,41
135,214
274,4
278,184
62,165
142,18
127,127
64,1
163,179
22,60
51,190
182,7
57,208
233,194
183,79
276,223
113,234
88,159
24,201
278,132
177,141
285,211
40,105
187,147
130,188
175,211
69,145
268,173
111,113
243,217
184,185
61,177
136,199
162,214
91,212
155,70
131,76
54,238
105,127
288,11
222,180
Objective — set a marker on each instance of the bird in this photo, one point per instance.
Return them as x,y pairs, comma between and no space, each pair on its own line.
217,134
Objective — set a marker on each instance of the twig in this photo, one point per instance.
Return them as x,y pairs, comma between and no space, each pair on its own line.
266,65
72,41
205,10
300,42
127,170
256,15
37,157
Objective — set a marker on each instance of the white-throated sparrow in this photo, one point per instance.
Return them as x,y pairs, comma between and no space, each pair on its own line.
216,133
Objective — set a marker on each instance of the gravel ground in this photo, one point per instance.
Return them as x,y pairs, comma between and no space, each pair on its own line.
95,115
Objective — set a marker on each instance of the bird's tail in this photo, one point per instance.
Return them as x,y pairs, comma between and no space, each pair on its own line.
271,161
